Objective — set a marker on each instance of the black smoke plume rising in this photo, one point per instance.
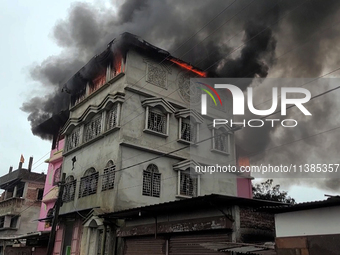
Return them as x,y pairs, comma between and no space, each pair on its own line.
246,40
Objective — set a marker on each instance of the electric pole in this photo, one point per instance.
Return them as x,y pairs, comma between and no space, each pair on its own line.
56,215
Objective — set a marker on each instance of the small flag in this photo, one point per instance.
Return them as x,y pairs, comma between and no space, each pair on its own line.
22,159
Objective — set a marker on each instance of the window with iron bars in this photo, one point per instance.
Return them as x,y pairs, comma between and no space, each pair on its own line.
188,184
108,181
69,189
151,181
93,128
221,140
73,139
157,121
88,183
111,118
188,130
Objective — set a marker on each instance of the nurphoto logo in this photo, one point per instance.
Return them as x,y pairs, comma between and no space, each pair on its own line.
239,104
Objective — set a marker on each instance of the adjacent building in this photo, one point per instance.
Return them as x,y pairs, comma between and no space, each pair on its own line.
207,224
19,206
51,188
310,228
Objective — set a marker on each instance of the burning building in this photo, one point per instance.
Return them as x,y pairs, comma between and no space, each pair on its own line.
131,141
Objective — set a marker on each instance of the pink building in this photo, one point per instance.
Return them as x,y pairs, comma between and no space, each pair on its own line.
51,187
244,185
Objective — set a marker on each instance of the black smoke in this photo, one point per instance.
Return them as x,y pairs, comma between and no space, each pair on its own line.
262,38
87,30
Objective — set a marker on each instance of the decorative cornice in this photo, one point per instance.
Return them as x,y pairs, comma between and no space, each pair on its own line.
91,110
185,164
224,126
185,113
153,102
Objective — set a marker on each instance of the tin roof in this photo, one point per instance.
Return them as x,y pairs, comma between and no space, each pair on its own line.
331,201
191,204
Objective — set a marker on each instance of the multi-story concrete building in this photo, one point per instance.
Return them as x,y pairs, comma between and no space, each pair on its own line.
133,139
51,187
19,207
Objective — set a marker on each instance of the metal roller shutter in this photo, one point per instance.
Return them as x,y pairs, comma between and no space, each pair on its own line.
144,246
190,244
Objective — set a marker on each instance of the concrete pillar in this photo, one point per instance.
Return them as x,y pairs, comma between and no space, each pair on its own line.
15,191
30,163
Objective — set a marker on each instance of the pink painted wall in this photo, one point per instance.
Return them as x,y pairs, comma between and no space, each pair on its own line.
55,162
244,186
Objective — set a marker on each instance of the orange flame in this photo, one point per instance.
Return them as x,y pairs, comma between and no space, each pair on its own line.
98,82
188,67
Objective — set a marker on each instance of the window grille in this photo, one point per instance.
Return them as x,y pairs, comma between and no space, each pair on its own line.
56,177
73,139
151,181
112,118
188,185
69,189
88,183
157,121
93,128
109,176
188,130
221,140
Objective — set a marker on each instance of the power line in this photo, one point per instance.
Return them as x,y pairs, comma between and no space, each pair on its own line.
212,137
316,96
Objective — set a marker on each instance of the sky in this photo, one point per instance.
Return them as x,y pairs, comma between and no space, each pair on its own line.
26,28
26,40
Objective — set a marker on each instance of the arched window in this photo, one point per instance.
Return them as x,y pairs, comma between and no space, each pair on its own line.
151,181
69,189
109,176
88,183
188,184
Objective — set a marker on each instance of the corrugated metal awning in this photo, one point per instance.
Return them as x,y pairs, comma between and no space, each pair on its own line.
243,248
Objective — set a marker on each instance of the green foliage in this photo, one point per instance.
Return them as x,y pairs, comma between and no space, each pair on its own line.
266,191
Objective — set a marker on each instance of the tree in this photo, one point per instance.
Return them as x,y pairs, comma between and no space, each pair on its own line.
266,191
